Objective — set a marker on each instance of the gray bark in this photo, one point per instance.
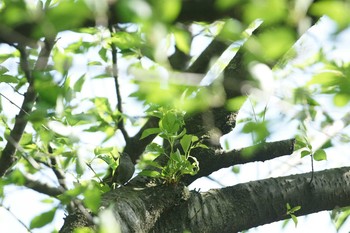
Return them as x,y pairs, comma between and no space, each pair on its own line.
232,209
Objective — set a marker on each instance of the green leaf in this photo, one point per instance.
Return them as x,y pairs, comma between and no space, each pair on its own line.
8,79
126,40
47,89
320,155
305,153
67,15
294,209
341,99
83,230
92,197
150,131
103,150
295,219
150,173
3,70
288,207
109,159
43,219
185,142
167,10
299,143
236,103
337,10
171,123
182,40
79,83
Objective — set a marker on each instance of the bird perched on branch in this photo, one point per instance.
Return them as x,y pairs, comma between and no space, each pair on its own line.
123,172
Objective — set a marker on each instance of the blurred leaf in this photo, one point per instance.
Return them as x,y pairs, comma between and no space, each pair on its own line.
305,153
274,43
47,90
168,10
341,99
225,4
150,131
185,142
126,40
103,150
8,79
182,40
295,219
92,197
26,139
84,230
320,155
236,169
43,219
149,173
67,15
231,31
79,83
3,70
270,11
337,10
236,103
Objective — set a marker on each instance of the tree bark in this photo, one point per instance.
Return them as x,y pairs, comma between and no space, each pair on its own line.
231,209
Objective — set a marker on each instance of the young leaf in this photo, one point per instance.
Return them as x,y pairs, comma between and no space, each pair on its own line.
150,131
43,219
295,219
305,153
92,197
149,173
186,142
320,155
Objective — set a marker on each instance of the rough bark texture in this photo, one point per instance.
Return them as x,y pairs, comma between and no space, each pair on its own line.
247,205
231,209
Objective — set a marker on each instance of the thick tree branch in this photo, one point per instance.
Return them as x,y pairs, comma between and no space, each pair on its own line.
137,210
248,205
231,209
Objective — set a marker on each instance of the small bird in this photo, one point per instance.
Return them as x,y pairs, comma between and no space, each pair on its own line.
124,171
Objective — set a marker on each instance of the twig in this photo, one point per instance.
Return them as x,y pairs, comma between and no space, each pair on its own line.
24,64
117,88
11,102
20,221
8,157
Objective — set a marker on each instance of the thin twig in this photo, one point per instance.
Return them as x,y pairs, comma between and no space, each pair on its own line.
20,221
8,157
11,102
117,88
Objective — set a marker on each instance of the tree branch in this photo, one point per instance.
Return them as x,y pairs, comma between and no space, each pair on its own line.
213,160
136,146
232,209
252,204
41,187
8,157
